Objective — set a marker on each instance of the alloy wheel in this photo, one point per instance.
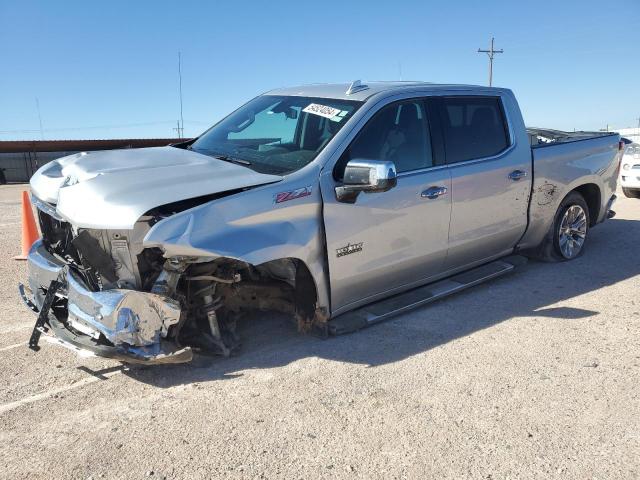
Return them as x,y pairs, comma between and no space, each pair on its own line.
573,231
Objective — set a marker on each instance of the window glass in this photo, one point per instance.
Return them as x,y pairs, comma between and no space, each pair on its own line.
276,134
399,133
268,124
474,127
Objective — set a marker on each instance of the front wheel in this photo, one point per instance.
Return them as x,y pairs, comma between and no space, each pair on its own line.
631,192
568,234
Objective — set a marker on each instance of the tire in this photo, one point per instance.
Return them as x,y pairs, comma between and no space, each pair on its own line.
631,192
567,236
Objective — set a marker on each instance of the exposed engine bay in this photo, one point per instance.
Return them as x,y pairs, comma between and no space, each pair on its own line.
117,294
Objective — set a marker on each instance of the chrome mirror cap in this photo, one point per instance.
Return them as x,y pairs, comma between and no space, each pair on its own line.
367,176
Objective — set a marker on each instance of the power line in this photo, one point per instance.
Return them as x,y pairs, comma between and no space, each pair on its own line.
491,53
177,129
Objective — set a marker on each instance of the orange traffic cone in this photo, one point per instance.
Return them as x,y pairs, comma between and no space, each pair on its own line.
29,229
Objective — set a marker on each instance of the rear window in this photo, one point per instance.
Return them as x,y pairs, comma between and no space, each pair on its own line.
474,127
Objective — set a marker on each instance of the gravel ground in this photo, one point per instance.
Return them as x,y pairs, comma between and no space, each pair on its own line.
535,375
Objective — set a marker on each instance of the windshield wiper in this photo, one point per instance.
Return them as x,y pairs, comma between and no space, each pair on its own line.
222,156
227,158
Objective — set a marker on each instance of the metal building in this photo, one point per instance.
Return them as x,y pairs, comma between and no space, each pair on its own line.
20,159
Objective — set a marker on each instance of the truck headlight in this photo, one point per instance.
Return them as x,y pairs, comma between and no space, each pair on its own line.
626,166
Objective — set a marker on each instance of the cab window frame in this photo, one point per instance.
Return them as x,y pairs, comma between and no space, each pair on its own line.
443,119
432,131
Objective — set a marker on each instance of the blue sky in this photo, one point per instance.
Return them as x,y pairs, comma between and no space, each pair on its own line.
109,69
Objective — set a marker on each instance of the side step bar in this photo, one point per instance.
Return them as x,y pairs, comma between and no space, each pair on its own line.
403,302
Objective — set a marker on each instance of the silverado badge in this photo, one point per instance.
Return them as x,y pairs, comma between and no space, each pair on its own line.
349,249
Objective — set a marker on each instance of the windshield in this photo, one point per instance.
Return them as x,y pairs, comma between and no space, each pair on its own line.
276,134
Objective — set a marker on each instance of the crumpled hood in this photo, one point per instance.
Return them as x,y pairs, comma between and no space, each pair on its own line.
112,189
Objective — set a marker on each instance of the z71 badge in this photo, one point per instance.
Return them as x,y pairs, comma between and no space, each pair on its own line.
349,249
292,195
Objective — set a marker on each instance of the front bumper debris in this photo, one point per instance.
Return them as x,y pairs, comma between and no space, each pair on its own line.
126,325
162,353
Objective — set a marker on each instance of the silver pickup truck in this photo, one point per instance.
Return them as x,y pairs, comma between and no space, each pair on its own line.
339,205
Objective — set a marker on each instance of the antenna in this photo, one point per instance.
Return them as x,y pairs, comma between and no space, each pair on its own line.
181,124
39,119
356,86
490,53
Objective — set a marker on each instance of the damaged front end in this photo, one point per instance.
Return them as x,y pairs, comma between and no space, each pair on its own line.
124,324
117,299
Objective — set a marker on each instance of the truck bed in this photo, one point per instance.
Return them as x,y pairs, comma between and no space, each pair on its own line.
542,137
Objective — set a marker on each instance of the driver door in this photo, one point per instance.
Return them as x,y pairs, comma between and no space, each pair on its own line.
389,241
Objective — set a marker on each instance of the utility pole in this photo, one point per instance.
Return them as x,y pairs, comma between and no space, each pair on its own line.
490,53
181,125
39,119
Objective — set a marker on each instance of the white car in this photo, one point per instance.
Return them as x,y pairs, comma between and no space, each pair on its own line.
630,171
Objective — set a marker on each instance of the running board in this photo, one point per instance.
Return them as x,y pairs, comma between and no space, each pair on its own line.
403,302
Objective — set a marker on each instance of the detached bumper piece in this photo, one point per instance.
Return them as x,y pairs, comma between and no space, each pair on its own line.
43,316
126,325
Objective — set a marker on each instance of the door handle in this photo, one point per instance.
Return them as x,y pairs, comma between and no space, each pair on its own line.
517,175
433,192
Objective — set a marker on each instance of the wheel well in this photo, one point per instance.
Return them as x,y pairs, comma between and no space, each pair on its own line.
591,194
289,270
296,272
305,292
214,294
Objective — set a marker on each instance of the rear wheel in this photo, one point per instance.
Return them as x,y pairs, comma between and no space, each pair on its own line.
568,234
631,192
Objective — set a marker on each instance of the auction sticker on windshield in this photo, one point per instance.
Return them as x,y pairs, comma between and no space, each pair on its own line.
322,110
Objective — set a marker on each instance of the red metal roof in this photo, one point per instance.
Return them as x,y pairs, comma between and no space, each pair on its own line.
18,146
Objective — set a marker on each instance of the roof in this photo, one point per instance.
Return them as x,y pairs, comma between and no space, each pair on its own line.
339,90
18,146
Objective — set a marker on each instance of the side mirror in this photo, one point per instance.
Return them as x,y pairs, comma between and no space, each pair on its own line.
366,176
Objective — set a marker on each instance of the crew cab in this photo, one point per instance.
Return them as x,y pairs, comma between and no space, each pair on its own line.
340,205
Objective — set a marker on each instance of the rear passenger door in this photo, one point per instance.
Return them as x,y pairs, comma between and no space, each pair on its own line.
490,179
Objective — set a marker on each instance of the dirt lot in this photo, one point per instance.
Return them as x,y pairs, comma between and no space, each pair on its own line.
535,375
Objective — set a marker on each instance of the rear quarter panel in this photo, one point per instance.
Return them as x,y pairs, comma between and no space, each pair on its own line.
560,168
